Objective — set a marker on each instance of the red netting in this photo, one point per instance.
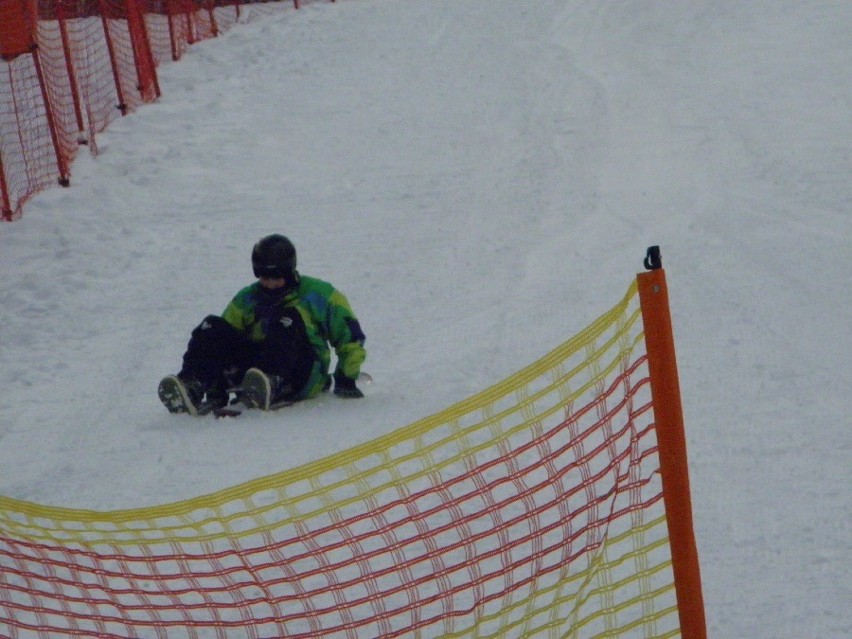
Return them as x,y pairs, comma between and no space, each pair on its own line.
28,161
95,60
532,510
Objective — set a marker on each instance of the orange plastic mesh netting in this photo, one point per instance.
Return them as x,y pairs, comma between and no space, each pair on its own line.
533,509
16,28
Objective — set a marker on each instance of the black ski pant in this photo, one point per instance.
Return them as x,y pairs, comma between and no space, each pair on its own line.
218,355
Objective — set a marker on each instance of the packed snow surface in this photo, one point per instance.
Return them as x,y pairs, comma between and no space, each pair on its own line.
481,178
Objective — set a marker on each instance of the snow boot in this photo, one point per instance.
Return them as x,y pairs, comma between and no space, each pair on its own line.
263,391
180,395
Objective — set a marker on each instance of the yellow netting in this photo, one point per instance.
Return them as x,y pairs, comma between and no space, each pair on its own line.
532,509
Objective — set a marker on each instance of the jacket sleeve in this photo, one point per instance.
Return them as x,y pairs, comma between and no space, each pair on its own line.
240,314
345,336
233,316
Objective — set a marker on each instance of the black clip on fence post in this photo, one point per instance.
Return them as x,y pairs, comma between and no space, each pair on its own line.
653,259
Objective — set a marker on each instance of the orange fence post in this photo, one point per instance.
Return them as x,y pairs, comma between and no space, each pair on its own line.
668,417
61,161
5,201
69,68
146,69
119,90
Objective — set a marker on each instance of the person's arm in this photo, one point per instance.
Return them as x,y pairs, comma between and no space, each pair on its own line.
347,339
239,314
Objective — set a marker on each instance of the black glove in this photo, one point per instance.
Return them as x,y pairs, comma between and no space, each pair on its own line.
345,387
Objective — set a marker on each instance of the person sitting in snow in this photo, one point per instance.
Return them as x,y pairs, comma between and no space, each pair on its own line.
272,341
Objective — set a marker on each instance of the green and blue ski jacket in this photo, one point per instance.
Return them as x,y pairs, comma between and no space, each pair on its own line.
329,323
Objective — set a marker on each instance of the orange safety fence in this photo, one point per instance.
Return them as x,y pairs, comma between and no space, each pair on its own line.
540,507
70,67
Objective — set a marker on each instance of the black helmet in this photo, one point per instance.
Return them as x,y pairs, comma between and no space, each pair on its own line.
274,256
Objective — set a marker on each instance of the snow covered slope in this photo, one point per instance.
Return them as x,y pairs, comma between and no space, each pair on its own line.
481,178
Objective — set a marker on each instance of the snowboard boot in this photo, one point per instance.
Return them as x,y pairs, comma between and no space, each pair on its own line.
180,395
263,391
